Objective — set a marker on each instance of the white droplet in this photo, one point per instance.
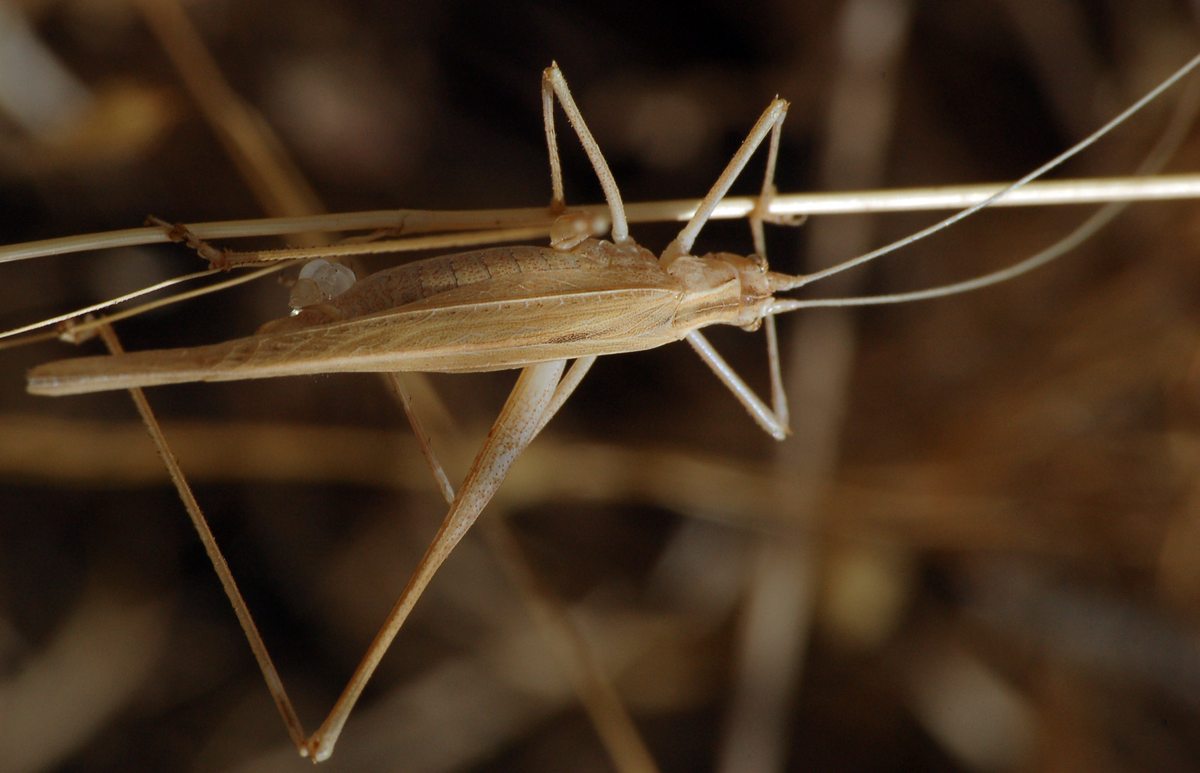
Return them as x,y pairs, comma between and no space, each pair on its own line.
329,279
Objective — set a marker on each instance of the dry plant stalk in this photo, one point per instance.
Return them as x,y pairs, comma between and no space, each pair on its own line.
516,307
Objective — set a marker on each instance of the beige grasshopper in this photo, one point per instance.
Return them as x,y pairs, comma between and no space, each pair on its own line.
493,309
525,307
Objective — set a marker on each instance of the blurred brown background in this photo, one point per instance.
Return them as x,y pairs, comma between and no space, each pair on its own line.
980,550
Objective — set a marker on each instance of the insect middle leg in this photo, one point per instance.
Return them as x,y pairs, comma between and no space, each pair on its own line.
555,85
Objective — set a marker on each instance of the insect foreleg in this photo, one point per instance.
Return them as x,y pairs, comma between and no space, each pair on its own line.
762,208
768,418
774,419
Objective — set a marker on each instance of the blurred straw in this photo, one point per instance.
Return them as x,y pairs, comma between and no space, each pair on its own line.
248,140
775,628
36,91
65,694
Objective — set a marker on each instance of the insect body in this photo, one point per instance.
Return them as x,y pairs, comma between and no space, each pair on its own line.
508,307
493,309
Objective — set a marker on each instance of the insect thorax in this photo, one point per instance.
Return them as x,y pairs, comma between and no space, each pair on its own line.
722,287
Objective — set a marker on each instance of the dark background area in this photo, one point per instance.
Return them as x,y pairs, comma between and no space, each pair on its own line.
979,550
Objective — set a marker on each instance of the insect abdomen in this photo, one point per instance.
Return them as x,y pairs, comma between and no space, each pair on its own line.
424,279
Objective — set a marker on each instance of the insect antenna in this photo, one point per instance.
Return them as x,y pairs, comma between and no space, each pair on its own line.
1170,141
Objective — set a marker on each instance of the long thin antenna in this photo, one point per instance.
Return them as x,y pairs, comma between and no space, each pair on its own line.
1172,138
1058,160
